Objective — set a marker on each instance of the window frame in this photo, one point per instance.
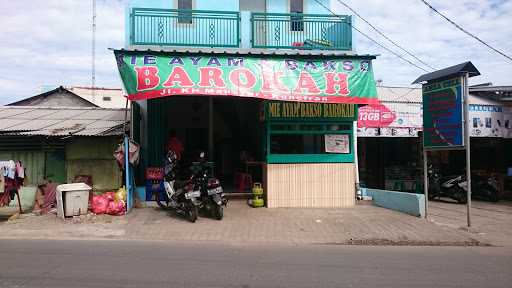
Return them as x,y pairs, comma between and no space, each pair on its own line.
273,158
296,21
185,15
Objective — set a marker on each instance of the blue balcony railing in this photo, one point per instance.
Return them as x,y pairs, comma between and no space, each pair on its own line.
301,31
171,27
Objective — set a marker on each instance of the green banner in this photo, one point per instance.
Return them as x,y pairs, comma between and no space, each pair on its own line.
149,75
293,111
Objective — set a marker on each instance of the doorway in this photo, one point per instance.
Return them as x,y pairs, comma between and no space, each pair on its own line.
228,129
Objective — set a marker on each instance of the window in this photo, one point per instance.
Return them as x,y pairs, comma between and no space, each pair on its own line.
296,7
297,144
309,143
107,98
185,16
301,142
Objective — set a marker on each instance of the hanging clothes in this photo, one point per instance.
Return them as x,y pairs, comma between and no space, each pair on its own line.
9,168
10,189
4,197
2,180
20,171
12,181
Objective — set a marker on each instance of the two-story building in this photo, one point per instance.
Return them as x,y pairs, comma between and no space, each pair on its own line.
269,88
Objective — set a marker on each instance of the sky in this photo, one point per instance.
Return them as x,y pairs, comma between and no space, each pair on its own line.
48,42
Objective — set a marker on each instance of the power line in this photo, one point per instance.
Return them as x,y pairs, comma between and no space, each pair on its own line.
374,41
465,31
384,35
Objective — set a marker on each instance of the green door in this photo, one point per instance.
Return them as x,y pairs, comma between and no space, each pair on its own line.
56,166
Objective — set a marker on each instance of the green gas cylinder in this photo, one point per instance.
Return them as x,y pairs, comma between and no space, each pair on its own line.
257,194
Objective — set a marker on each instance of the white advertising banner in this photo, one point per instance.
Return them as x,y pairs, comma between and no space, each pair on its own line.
490,121
390,120
406,120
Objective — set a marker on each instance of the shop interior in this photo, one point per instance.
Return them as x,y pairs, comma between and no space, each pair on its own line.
392,163
237,139
396,163
228,129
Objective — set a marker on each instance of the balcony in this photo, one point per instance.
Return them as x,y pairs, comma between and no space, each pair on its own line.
301,31
171,27
197,28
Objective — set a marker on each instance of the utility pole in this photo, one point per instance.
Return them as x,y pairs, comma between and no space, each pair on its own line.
93,71
467,140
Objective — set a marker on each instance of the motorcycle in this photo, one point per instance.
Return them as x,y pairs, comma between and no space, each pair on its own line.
446,186
212,197
179,196
483,188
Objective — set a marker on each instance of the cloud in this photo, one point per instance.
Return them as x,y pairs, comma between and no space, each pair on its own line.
431,38
48,42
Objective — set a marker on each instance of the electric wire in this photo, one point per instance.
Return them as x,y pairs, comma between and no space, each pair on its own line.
465,31
384,35
374,41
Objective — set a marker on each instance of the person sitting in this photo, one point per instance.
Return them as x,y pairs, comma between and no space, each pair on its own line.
174,144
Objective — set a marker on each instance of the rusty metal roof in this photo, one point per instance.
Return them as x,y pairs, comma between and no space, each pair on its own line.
62,121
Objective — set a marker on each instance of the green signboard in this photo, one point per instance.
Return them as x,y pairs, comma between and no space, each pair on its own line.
149,75
293,111
442,114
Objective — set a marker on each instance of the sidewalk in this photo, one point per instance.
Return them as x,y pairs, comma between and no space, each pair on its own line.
361,225
490,221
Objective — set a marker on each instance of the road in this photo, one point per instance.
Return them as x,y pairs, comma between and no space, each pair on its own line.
43,263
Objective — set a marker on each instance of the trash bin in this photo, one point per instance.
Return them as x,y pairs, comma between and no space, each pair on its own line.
72,199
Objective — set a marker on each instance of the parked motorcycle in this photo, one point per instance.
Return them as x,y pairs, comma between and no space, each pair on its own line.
483,188
446,186
455,187
179,196
212,197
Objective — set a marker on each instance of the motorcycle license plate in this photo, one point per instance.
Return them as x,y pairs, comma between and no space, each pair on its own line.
192,194
213,191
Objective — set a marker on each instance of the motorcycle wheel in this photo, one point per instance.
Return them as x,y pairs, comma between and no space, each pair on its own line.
494,197
162,203
462,197
219,212
192,213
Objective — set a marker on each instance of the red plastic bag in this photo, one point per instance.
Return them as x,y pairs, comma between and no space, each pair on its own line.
99,204
110,196
116,207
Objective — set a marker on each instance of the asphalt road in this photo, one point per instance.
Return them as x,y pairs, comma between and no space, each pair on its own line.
125,264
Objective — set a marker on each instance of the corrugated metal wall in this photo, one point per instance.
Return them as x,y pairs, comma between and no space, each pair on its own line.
30,150
94,156
310,185
33,161
77,156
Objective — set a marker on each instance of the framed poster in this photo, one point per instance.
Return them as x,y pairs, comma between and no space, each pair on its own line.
337,143
442,114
